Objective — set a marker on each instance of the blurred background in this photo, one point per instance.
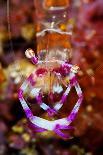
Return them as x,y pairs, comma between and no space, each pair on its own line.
19,23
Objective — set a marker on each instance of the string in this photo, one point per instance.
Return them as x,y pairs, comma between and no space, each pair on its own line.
10,39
